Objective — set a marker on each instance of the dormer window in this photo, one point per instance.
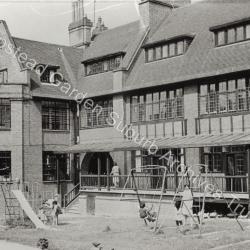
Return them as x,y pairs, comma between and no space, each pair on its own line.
165,49
3,76
48,74
231,33
102,65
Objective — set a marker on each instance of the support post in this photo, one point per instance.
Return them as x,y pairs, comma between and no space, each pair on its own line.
176,178
248,167
99,172
58,175
108,173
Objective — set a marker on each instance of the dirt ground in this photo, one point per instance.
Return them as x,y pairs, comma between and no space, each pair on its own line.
76,233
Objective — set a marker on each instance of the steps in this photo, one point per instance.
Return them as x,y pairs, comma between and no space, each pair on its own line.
73,208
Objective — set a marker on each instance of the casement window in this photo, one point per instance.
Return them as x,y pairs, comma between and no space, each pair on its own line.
56,165
167,49
171,157
98,116
230,160
213,159
3,76
55,115
48,74
5,114
103,65
5,164
224,96
231,34
157,106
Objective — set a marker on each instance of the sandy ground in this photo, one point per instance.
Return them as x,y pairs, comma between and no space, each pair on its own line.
75,233
14,246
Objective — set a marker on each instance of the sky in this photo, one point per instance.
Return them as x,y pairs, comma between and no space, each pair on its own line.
48,20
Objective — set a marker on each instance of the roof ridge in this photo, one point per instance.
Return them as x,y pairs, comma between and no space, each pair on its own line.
120,26
52,44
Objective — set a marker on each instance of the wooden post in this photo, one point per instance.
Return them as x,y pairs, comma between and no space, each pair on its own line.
99,172
58,175
176,178
248,167
108,173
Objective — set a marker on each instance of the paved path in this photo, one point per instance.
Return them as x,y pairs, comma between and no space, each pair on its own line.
13,246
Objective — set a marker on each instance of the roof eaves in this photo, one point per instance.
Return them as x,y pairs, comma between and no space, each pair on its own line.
104,57
174,38
233,23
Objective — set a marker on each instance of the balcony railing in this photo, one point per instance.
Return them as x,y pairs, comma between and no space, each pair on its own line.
146,182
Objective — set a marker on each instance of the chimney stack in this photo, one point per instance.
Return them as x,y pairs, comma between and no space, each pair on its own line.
152,12
99,28
80,28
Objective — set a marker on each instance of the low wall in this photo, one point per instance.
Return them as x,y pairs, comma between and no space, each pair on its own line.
98,204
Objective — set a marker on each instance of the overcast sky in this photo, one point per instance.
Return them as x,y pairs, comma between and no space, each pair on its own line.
48,20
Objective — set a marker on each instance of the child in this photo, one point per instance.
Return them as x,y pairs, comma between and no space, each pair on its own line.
55,212
178,218
42,216
146,214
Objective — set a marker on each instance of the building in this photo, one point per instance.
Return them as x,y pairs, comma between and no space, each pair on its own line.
177,78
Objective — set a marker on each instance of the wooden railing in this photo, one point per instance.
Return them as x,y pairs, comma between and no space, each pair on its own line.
71,195
227,184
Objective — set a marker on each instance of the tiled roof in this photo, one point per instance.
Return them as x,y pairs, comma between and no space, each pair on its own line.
112,41
67,58
202,58
126,39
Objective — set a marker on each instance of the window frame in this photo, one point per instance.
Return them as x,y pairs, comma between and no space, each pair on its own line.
226,35
53,115
4,74
5,111
157,106
5,156
166,47
103,65
92,118
239,96
54,158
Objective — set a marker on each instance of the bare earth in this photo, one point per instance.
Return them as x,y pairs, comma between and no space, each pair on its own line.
131,234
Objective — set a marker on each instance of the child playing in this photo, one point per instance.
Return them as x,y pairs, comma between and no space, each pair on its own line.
55,212
178,217
146,214
42,216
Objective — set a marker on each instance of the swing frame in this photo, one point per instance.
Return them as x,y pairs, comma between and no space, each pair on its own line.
162,190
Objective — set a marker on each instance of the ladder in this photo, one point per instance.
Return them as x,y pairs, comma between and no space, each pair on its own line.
12,207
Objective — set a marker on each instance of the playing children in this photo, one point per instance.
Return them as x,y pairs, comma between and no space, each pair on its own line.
146,213
179,216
